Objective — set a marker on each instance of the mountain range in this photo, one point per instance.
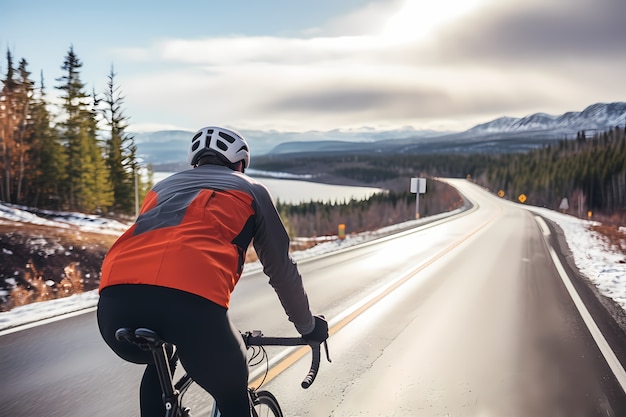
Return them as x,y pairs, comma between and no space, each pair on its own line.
504,134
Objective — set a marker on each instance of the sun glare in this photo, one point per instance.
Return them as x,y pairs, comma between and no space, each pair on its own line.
418,19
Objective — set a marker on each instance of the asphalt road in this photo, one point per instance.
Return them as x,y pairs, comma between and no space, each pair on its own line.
467,316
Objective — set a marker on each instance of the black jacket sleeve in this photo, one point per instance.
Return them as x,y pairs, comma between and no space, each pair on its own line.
271,243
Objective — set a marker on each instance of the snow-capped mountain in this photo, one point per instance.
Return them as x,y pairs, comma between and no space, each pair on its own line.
597,117
167,149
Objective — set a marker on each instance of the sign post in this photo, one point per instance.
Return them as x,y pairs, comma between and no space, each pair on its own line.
418,186
341,231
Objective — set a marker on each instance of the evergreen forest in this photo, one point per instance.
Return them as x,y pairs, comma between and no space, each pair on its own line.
75,155
581,177
590,173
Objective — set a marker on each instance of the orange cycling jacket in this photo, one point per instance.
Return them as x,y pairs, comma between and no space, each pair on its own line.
192,234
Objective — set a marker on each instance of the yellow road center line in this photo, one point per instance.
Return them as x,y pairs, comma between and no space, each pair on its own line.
355,311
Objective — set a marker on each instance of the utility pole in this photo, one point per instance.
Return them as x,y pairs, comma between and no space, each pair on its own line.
136,193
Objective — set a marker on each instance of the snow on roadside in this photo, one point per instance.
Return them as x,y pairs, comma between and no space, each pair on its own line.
62,219
46,309
14,214
605,267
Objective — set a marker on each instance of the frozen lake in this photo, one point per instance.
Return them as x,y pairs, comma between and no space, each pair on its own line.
298,191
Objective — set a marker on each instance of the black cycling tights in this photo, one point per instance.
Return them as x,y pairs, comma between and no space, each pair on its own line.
210,349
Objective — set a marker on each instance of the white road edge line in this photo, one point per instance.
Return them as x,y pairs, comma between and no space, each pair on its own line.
46,321
603,345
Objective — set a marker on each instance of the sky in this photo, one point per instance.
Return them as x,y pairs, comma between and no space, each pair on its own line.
603,265
352,65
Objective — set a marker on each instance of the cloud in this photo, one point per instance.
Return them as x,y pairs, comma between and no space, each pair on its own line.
511,58
269,50
539,30
369,19
376,102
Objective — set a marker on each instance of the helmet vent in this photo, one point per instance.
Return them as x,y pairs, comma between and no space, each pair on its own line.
226,136
221,145
197,136
195,146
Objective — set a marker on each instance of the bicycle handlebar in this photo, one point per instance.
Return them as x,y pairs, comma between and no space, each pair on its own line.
256,338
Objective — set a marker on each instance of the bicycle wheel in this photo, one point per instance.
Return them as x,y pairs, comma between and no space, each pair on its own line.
266,405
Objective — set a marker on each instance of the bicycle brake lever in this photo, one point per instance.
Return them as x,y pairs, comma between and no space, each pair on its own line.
326,350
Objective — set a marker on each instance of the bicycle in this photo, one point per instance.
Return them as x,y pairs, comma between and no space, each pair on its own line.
262,402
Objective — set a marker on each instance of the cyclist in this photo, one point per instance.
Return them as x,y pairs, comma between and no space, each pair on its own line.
174,270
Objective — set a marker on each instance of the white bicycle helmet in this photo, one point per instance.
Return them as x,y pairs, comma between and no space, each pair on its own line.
226,143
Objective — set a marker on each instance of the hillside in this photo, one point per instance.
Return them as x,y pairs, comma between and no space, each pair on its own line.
47,255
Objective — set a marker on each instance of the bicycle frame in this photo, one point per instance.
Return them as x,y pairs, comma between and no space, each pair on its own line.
147,339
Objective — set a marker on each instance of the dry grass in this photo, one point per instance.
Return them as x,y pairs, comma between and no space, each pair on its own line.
39,263
614,237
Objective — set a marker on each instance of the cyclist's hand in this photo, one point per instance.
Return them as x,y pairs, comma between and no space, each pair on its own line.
319,333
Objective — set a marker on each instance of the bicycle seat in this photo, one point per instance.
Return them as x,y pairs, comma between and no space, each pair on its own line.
149,336
144,338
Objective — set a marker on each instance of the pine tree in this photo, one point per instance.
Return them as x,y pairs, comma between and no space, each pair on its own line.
24,130
88,186
97,195
102,175
8,124
47,156
74,105
121,149
16,130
